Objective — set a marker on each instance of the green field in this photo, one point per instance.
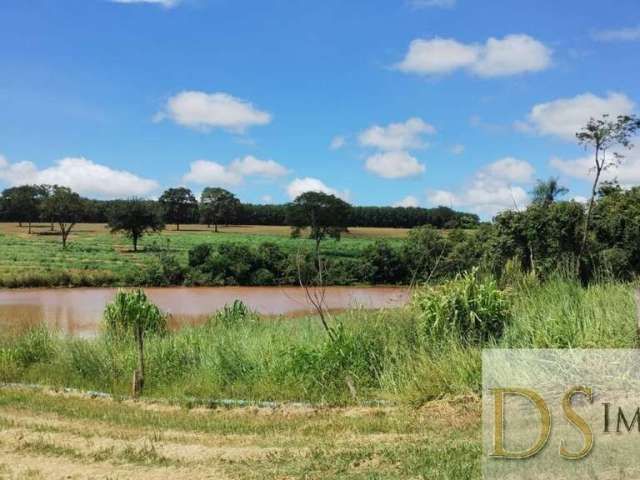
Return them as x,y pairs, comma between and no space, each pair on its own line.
96,257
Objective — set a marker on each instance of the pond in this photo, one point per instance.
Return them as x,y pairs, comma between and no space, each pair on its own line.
78,311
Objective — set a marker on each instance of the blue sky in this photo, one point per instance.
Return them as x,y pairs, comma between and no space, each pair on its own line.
463,103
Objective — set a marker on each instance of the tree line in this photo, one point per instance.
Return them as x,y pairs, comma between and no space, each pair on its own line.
27,204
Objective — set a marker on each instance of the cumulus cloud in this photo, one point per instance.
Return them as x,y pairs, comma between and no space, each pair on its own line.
209,172
627,173
511,55
397,136
565,116
491,189
433,3
206,111
398,164
337,142
298,186
408,201
164,3
511,169
628,34
79,174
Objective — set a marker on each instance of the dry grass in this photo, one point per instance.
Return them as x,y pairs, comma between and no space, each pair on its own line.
58,436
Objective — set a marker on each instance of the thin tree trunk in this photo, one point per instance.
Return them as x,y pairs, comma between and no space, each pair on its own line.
215,228
178,227
587,221
29,227
135,243
138,374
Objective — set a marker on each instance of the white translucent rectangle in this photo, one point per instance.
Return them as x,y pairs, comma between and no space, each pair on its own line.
561,414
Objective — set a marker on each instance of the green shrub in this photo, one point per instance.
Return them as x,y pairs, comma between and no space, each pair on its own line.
468,307
234,314
382,264
165,271
198,254
130,309
34,346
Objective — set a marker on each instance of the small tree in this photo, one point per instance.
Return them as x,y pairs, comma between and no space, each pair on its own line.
64,207
178,205
547,191
602,135
218,206
134,217
22,203
131,313
323,214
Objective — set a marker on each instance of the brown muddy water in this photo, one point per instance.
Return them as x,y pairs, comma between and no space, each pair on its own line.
78,311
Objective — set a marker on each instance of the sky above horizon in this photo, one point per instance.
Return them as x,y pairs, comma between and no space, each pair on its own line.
410,102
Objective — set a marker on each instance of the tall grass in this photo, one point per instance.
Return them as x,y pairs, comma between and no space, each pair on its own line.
376,355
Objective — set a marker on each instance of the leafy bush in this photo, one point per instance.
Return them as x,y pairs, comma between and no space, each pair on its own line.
468,307
165,271
36,345
234,314
382,263
130,309
198,255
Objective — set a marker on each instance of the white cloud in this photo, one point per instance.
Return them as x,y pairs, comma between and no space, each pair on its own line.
164,3
491,189
209,172
397,136
308,184
457,149
337,142
397,164
268,199
81,175
566,116
252,166
627,173
206,111
433,3
511,169
437,56
628,34
408,201
511,55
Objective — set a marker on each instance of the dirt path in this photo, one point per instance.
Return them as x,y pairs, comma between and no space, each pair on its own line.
58,436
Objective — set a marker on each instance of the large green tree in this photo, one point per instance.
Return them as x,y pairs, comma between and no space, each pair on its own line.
134,217
178,205
23,203
322,214
218,206
64,207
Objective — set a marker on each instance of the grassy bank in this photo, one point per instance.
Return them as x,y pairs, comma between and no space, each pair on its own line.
383,355
95,257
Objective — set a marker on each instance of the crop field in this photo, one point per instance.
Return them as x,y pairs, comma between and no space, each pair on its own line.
93,252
